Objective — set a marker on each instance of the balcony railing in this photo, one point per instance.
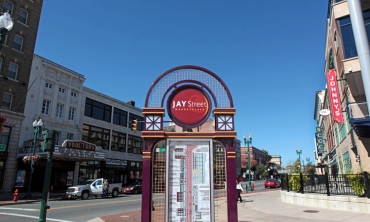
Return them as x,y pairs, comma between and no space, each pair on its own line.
358,110
328,184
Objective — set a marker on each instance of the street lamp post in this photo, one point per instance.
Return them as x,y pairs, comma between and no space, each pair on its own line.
6,24
247,142
299,152
36,129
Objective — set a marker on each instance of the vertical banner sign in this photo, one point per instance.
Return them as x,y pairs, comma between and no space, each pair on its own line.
333,91
189,193
319,142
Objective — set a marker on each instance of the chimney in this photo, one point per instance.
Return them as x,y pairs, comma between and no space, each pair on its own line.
130,102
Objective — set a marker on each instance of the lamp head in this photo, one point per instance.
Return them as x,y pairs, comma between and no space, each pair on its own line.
40,123
244,137
34,123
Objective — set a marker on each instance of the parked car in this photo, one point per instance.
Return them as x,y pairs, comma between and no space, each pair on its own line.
272,183
92,187
133,188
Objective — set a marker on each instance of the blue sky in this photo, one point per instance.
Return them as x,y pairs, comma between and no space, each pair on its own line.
269,53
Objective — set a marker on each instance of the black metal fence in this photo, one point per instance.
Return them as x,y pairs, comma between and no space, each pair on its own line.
329,184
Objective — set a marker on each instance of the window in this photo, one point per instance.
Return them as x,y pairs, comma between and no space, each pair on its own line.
349,45
118,141
23,16
69,136
336,41
57,137
98,110
12,70
18,42
8,6
48,85
7,101
96,135
59,111
73,94
62,90
71,113
134,144
120,117
331,60
45,107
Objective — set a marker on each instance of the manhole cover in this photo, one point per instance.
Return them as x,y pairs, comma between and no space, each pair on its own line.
311,211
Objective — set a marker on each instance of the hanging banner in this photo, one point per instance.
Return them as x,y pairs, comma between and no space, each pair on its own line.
333,91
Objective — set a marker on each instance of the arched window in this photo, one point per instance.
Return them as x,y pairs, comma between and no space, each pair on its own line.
331,60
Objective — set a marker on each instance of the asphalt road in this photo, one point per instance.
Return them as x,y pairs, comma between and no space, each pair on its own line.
71,210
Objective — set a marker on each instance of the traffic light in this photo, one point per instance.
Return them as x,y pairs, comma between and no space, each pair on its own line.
48,143
133,125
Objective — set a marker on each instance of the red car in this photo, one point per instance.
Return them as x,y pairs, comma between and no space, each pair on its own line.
272,183
133,188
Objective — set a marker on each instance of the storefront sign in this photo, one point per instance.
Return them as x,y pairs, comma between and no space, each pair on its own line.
116,162
188,107
81,145
189,185
78,153
333,91
2,147
319,141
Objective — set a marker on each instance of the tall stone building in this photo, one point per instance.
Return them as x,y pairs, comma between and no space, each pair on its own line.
15,65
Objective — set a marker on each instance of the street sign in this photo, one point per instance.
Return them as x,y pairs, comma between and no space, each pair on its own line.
2,147
160,150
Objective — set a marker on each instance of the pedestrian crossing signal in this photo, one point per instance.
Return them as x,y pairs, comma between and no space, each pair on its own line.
133,125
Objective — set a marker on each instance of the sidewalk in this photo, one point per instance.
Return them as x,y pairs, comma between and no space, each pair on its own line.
264,206
7,198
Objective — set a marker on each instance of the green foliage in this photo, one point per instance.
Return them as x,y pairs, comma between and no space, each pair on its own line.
268,156
294,180
357,183
260,168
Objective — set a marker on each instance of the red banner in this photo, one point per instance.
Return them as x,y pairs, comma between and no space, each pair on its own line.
333,90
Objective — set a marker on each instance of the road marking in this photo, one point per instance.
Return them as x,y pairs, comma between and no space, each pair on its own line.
22,215
23,209
85,205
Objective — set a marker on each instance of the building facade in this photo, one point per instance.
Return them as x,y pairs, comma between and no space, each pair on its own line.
93,131
15,64
345,132
256,157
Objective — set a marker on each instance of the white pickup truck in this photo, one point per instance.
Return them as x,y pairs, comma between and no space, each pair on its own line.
92,187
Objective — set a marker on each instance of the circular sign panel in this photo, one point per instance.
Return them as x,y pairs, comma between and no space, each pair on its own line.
188,107
324,112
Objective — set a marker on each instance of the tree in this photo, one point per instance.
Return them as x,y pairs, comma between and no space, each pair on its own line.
261,169
268,156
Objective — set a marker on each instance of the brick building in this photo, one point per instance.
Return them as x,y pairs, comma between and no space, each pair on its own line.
15,65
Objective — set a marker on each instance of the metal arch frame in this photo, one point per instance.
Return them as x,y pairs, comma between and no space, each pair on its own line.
154,84
176,85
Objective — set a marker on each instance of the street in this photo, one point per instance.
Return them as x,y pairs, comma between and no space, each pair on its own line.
71,210
82,210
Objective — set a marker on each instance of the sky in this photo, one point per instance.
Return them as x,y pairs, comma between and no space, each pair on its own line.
269,53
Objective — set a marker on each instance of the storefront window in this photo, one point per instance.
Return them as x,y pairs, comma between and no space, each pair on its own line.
4,138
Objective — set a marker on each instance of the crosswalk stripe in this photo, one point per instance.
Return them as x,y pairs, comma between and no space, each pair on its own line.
22,215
